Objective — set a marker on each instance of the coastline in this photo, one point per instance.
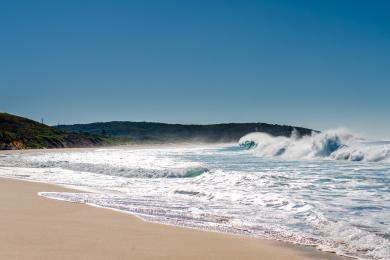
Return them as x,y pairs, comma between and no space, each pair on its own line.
34,227
111,147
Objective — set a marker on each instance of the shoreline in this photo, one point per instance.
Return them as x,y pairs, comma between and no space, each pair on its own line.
122,235
110,147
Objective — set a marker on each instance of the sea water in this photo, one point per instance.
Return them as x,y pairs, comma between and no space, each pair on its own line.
329,190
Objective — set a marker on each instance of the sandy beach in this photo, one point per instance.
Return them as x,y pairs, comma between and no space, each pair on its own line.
34,227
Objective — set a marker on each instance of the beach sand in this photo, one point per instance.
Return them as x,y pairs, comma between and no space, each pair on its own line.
33,227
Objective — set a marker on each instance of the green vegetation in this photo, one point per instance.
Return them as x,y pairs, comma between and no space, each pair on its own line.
161,133
22,133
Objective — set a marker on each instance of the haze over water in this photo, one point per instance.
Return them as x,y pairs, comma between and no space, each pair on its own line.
330,190
316,64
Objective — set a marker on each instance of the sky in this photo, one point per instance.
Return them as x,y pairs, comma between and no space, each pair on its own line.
317,64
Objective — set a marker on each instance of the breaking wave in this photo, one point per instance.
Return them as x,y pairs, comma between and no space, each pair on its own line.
128,172
332,144
107,169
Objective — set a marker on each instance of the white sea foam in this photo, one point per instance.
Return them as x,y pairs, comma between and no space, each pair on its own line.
314,199
331,144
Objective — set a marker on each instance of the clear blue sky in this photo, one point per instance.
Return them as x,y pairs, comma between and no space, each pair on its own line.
320,64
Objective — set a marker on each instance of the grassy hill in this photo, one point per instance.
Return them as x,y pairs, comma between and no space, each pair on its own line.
159,132
21,133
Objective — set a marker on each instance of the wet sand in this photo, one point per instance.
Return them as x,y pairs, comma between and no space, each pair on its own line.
33,227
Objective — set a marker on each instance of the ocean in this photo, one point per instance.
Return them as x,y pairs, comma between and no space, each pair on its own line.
330,190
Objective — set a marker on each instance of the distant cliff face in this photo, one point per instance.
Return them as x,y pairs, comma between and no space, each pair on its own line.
22,133
159,132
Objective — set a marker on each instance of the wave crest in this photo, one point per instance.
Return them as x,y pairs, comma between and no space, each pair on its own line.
332,144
